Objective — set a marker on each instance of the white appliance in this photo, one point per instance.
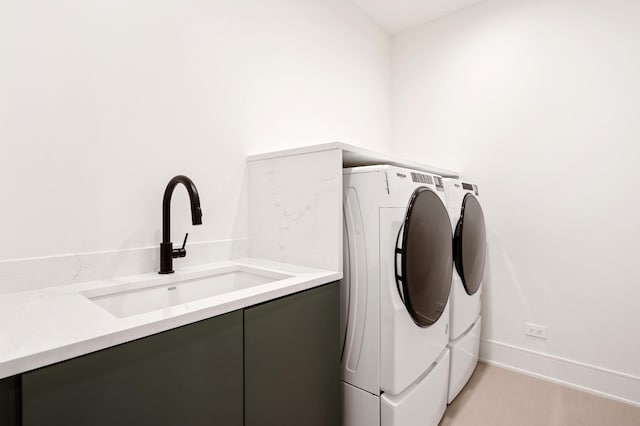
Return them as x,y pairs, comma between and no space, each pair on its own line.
395,313
469,252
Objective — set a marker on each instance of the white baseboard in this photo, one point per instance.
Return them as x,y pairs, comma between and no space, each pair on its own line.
589,378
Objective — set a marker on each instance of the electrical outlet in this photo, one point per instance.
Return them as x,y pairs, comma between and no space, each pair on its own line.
539,331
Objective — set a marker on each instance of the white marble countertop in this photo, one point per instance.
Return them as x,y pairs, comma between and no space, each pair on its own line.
45,326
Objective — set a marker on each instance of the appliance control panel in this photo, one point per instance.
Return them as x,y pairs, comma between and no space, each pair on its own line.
439,183
421,178
470,187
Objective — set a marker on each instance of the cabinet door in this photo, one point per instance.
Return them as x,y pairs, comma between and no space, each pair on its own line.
191,375
10,401
292,360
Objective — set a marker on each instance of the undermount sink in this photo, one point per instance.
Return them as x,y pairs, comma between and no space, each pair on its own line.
129,299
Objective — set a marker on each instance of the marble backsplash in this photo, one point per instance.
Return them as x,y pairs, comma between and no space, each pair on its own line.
295,209
41,272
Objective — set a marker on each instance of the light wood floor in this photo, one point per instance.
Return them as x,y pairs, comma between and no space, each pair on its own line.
498,397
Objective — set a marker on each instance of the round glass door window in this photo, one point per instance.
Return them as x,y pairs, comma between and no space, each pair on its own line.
424,252
470,244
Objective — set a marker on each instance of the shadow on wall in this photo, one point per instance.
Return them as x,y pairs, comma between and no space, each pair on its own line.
501,288
500,276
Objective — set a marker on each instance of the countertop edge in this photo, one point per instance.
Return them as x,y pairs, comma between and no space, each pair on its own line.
42,358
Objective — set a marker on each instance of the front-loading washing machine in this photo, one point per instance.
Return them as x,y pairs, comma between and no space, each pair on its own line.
395,312
469,252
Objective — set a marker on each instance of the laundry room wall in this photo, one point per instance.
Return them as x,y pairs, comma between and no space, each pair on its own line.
102,102
537,102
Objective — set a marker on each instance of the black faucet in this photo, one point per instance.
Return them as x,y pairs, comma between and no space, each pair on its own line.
167,252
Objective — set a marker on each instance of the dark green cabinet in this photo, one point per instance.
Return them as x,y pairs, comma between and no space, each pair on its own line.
10,401
191,375
276,363
292,360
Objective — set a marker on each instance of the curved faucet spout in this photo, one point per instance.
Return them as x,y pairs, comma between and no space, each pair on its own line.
194,198
167,253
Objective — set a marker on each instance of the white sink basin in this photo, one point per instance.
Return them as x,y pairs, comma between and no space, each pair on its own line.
129,299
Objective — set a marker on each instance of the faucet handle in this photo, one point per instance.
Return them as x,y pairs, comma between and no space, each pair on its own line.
181,252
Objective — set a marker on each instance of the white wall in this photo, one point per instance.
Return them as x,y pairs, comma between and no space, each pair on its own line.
538,102
102,102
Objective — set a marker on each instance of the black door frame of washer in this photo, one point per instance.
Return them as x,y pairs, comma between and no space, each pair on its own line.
426,263
469,244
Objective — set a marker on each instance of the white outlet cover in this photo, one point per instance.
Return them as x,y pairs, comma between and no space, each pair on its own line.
534,330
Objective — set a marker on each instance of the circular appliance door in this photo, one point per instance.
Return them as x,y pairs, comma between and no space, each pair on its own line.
424,251
469,244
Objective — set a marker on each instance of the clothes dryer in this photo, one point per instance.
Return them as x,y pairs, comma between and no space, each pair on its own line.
469,252
395,313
